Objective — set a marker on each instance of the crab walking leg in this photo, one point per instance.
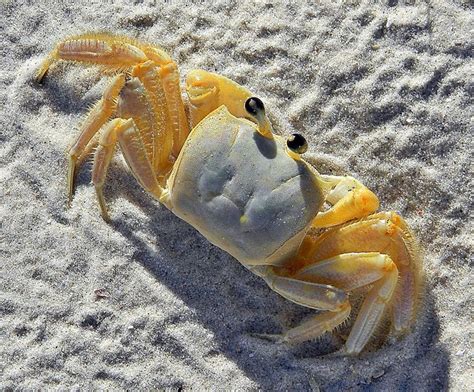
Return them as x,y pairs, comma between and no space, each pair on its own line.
97,117
312,295
308,294
371,312
386,233
350,199
88,152
317,325
127,134
406,253
170,82
347,271
149,74
112,52
177,114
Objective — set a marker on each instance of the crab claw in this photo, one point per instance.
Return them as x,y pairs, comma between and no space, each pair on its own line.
207,91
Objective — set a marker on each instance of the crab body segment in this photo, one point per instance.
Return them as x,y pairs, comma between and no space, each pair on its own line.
216,163
259,215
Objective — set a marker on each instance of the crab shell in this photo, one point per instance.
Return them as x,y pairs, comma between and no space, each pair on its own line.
245,193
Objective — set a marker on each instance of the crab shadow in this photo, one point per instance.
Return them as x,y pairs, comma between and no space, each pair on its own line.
239,309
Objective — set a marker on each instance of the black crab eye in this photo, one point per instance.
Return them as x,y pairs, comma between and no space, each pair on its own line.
297,143
254,106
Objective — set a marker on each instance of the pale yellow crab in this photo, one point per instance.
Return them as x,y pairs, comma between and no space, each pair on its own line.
217,164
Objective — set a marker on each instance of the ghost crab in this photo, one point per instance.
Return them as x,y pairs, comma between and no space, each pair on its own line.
217,164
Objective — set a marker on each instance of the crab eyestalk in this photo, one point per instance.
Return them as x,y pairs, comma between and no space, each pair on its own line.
296,145
254,107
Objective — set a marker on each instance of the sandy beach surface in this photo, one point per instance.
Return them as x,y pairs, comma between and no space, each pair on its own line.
381,90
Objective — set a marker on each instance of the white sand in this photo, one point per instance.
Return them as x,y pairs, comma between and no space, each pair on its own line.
382,92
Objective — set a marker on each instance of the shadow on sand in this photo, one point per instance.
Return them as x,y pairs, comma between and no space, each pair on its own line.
236,306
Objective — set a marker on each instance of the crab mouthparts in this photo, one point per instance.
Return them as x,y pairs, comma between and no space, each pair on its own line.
199,92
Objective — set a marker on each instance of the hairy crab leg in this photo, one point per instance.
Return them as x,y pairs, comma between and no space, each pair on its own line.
373,307
386,233
405,252
346,272
170,82
111,52
149,75
312,295
317,325
118,53
349,198
96,118
128,136
151,97
134,103
308,294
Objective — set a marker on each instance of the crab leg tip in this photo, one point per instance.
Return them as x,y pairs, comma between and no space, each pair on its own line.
43,69
106,217
70,178
102,204
39,77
